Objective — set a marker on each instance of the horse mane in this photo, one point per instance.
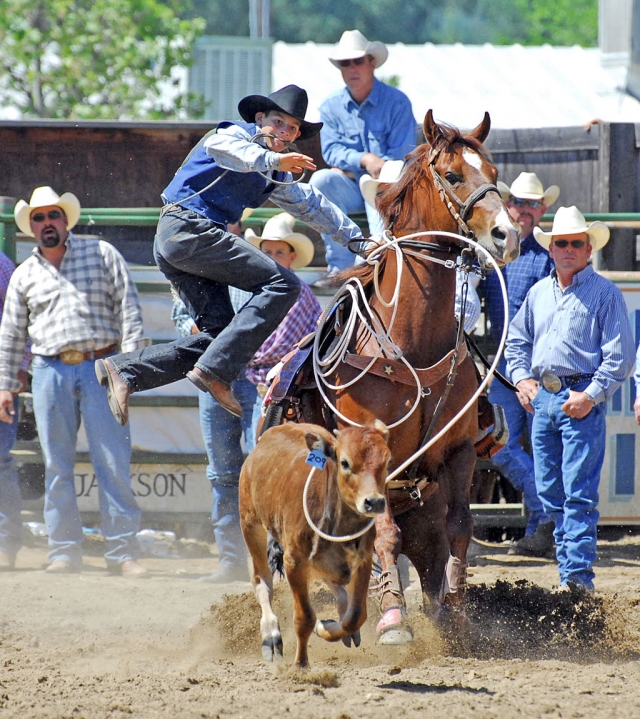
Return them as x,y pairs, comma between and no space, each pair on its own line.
393,205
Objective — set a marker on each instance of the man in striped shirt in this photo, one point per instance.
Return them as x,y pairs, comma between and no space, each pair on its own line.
569,348
77,302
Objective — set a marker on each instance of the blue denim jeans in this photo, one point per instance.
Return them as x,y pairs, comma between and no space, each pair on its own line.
345,193
10,499
62,395
568,455
201,260
512,460
222,433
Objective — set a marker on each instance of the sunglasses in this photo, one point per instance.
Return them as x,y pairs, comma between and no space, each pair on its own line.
41,217
578,244
357,61
533,204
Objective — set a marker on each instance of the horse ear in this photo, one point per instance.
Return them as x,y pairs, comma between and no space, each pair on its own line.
431,128
382,428
482,131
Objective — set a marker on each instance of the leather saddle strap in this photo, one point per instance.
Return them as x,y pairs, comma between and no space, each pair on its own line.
398,372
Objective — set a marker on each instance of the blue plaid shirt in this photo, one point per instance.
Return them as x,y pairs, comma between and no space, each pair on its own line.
533,265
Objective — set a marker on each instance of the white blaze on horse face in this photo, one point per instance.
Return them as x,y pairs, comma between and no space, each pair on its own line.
473,159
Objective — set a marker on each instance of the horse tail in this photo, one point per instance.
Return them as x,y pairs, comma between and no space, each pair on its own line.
275,553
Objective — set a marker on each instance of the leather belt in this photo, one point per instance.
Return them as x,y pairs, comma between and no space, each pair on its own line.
78,357
554,384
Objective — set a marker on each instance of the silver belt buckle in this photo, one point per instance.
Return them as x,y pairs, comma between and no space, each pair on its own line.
551,382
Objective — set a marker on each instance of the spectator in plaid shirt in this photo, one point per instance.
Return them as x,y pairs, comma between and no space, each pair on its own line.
10,500
527,201
221,430
77,302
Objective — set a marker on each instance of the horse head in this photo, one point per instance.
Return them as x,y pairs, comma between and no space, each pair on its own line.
469,178
449,184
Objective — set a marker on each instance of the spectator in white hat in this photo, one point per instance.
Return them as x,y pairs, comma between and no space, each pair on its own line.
527,201
569,348
76,301
365,124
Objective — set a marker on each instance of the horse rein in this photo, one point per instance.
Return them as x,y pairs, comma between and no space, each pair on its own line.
464,208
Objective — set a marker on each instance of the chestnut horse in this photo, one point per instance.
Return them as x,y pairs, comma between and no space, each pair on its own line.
448,185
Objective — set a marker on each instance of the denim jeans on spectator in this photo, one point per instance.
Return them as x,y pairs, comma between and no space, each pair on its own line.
568,455
10,499
513,462
201,259
345,193
62,395
222,433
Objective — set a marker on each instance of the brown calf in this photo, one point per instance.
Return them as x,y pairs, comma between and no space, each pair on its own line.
341,499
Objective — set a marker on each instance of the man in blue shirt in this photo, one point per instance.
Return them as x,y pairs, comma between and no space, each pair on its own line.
224,174
527,201
569,348
365,124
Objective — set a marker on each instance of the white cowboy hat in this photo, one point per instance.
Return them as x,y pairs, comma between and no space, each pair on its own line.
389,173
46,197
527,186
280,227
354,44
570,221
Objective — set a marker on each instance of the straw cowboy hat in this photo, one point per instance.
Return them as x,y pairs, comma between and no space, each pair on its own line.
46,197
292,100
353,44
570,221
280,227
527,186
390,173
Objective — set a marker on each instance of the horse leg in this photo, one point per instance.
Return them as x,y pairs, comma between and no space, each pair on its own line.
304,618
425,543
255,537
392,627
459,525
354,613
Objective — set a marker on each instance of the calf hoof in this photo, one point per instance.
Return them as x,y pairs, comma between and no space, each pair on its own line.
346,640
393,629
272,649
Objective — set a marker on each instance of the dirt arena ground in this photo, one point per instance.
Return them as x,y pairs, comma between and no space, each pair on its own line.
94,645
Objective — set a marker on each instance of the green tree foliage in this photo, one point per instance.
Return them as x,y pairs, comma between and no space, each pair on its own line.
97,59
529,22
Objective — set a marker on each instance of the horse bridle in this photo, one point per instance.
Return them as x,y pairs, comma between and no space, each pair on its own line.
446,192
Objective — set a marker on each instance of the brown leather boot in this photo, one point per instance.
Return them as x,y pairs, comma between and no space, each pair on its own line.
117,390
220,391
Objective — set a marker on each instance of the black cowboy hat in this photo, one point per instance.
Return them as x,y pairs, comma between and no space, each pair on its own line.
292,100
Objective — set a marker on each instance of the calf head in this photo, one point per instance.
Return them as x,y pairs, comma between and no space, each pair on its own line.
362,459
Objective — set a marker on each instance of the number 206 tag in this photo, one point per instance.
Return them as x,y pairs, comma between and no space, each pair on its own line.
316,459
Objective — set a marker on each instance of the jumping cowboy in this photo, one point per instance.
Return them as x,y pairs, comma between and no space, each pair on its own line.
225,173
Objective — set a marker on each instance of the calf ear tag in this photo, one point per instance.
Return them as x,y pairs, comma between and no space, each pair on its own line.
316,458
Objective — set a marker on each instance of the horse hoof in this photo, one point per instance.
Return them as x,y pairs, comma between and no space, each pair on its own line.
393,629
396,637
272,649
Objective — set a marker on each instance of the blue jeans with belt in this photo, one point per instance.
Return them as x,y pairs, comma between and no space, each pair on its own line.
201,259
512,460
568,454
10,499
222,433
62,396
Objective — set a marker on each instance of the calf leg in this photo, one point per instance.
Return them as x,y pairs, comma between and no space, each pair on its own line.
355,614
255,537
342,600
304,618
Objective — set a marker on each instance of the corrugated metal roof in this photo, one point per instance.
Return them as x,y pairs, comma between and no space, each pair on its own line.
539,86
